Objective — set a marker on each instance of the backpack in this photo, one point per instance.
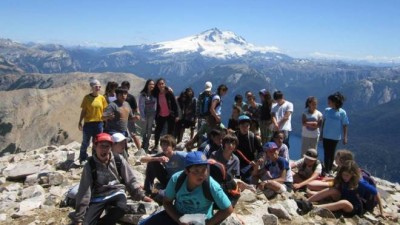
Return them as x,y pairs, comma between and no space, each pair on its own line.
205,101
369,201
218,173
70,196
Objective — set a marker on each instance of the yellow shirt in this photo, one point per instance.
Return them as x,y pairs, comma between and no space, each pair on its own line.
93,107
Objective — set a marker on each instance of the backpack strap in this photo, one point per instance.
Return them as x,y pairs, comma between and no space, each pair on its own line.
205,185
118,163
93,169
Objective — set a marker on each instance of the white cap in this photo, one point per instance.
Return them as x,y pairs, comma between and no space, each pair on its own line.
118,137
94,82
208,86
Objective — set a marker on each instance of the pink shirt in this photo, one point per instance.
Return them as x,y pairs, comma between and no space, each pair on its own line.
162,100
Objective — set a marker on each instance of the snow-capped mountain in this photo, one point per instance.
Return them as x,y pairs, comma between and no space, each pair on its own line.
212,43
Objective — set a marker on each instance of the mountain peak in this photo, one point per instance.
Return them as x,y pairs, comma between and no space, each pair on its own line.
213,43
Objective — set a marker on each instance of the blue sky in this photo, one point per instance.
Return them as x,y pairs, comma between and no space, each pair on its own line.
359,29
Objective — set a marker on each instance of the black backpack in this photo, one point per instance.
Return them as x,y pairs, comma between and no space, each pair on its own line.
218,173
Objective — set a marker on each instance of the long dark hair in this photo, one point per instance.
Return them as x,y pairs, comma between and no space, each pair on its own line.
156,91
145,89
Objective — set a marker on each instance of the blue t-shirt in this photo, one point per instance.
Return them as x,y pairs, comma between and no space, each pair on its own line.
176,163
364,190
334,120
190,202
276,168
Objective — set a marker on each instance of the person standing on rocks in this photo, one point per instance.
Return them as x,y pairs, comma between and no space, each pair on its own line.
148,108
104,186
282,115
92,106
135,109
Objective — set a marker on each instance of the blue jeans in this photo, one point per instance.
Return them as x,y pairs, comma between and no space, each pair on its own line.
159,218
90,130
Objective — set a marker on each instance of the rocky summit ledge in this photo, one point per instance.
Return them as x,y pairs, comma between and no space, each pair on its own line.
32,185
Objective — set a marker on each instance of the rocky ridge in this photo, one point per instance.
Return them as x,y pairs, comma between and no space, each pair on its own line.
33,183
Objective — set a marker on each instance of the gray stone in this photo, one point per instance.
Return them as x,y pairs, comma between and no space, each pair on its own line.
270,219
31,180
291,206
58,191
3,217
51,148
33,191
27,205
231,220
51,221
74,145
13,187
247,196
279,211
322,212
2,180
21,170
10,196
8,206
56,178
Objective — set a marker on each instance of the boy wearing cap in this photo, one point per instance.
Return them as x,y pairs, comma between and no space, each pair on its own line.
106,189
119,144
308,169
190,199
275,172
163,165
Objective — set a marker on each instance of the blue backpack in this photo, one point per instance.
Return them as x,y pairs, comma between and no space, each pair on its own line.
205,100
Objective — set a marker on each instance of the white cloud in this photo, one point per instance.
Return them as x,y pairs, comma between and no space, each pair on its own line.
368,58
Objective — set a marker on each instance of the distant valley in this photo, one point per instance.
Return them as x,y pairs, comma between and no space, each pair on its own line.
222,57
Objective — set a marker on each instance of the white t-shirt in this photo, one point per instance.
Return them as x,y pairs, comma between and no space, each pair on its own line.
309,132
279,111
218,108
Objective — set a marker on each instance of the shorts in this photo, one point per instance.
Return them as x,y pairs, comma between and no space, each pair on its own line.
132,127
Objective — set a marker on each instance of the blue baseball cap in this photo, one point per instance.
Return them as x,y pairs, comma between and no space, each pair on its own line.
195,158
270,146
244,118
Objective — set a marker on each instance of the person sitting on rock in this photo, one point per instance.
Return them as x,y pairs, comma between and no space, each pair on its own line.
104,186
278,137
341,157
309,168
190,197
120,144
214,143
163,165
273,170
226,156
349,192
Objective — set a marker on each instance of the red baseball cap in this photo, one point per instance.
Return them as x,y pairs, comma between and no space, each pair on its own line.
103,137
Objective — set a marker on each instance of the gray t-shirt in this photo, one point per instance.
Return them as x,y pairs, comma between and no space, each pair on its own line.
176,162
232,165
122,113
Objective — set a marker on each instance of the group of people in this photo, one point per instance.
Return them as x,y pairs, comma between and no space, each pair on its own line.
253,148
